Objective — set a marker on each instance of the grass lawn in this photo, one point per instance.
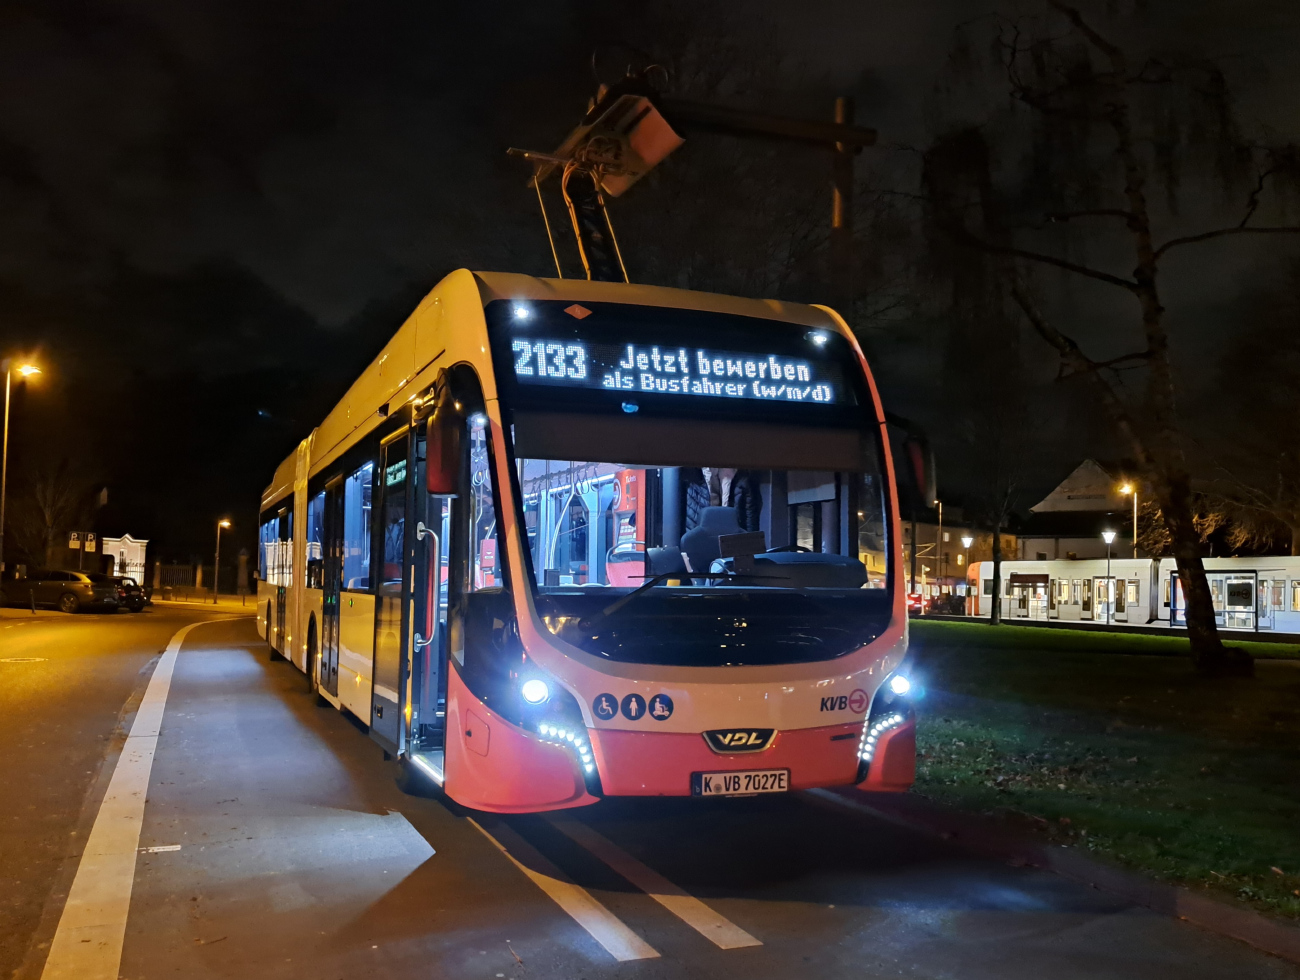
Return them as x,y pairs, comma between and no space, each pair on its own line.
1111,743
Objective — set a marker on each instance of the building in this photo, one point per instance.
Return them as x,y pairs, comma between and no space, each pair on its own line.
127,555
941,554
1068,522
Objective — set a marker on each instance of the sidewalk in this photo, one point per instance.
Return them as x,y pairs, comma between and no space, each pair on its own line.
248,602
24,612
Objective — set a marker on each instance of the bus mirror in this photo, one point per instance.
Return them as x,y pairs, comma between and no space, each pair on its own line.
442,442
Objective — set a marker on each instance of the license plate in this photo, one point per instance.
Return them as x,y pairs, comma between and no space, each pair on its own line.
744,783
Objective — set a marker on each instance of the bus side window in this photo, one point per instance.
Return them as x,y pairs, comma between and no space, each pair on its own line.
269,550
357,490
286,549
315,541
484,555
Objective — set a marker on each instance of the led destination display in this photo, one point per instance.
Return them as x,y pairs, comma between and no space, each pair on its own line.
675,370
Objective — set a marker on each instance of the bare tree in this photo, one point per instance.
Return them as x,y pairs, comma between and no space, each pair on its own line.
57,498
1104,132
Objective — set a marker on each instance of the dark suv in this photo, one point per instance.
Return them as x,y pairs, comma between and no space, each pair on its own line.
68,591
130,595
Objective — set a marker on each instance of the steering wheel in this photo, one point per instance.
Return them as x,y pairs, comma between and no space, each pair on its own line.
789,547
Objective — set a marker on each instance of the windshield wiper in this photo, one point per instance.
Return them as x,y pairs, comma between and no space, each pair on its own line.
650,583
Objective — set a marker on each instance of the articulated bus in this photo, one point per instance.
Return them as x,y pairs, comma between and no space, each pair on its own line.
565,540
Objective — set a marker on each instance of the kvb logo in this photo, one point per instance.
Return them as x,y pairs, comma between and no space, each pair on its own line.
855,701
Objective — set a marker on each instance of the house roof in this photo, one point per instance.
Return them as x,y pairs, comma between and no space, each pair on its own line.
1089,488
1076,524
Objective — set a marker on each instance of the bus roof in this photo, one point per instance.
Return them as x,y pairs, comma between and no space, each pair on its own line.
412,350
509,285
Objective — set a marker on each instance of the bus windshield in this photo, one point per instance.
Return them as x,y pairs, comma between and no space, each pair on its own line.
682,521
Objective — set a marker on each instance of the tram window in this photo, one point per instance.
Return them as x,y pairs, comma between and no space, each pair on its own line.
486,559
1132,593
315,541
357,490
1216,592
1295,596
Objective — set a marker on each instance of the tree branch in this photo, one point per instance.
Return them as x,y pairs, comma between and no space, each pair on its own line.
1072,354
1117,361
1109,48
973,241
1221,232
1093,213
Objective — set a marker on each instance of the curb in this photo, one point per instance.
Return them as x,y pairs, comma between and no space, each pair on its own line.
983,836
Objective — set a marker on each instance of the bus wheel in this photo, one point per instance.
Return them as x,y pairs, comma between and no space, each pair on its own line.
275,654
313,665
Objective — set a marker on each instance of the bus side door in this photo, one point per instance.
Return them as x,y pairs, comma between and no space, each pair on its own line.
331,586
390,571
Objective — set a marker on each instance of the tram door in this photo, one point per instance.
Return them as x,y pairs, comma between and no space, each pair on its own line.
331,587
428,547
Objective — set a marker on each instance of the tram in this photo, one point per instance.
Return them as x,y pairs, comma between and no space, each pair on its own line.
566,539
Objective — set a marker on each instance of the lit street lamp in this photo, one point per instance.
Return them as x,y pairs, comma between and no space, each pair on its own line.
1109,538
26,370
216,559
1127,489
966,542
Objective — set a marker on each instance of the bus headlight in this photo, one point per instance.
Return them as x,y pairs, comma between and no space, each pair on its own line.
534,690
899,684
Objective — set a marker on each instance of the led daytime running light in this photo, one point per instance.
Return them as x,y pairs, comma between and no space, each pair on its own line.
885,724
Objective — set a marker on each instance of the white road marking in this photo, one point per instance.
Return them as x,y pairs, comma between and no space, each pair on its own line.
604,927
159,849
87,944
718,929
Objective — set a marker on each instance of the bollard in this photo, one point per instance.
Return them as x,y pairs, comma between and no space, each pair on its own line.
32,594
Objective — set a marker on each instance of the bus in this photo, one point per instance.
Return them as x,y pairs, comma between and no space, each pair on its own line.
565,539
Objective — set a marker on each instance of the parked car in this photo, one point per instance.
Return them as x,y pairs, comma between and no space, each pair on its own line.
68,591
917,604
130,595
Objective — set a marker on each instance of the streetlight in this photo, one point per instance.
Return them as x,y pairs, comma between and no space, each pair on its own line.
26,370
966,542
1127,489
216,560
1109,538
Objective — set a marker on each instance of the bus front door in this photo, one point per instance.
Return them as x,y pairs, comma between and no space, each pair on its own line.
391,570
331,586
426,676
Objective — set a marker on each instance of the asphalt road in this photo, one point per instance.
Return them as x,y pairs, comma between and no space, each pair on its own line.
275,843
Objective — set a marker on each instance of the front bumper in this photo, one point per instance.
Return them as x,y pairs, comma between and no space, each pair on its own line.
661,763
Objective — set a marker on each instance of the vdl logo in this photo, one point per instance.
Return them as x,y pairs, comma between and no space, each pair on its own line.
728,740
855,702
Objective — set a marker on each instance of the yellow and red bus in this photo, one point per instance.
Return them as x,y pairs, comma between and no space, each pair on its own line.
565,540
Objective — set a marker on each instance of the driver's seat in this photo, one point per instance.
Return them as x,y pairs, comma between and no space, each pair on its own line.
700,543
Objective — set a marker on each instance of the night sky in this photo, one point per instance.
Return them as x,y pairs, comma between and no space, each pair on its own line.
212,215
